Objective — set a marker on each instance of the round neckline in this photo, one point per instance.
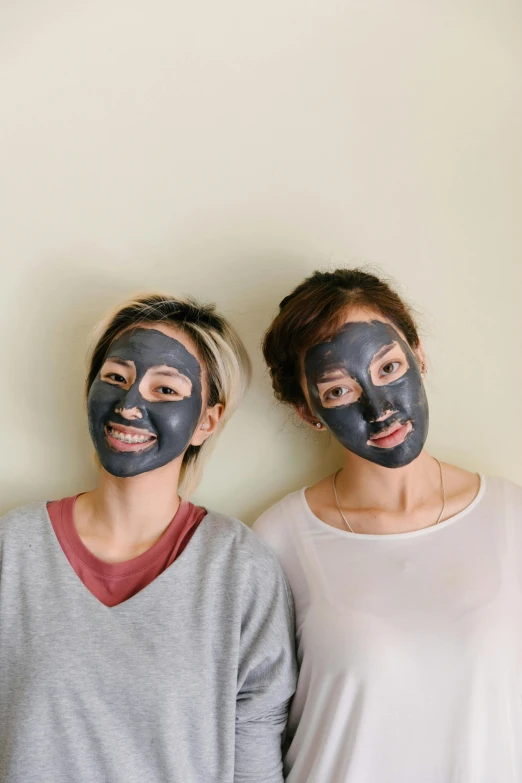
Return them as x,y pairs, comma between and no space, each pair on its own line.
389,536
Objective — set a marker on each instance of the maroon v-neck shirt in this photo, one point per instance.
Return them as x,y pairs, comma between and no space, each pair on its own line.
113,583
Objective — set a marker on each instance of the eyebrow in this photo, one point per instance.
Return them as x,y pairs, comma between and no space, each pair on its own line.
171,372
332,375
384,350
117,360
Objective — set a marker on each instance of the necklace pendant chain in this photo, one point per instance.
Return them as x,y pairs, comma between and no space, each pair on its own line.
348,524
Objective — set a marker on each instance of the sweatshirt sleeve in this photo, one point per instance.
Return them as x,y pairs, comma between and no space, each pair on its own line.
267,673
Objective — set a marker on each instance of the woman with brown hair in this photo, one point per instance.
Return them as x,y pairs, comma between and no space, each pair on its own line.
406,572
144,639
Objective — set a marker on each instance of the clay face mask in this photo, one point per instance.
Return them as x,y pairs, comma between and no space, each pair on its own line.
161,368
365,385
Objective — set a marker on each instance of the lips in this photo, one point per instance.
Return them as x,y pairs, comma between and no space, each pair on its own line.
391,436
123,438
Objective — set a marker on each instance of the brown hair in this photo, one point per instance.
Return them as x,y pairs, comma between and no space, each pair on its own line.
314,312
219,346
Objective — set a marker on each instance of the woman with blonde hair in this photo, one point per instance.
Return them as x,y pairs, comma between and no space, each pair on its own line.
143,638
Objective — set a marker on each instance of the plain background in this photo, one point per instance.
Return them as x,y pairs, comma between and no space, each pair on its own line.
227,149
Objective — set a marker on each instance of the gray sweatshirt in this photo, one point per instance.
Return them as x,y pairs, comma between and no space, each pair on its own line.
188,681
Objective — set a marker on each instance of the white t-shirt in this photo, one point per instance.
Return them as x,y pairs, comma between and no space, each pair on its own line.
410,645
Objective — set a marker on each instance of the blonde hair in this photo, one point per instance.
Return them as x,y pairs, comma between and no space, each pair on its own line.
218,344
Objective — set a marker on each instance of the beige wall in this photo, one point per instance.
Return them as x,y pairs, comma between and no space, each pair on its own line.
226,149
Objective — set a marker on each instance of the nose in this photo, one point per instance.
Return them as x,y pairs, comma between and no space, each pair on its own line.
131,414
129,408
376,406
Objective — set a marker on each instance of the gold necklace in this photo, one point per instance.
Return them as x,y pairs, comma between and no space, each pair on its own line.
435,523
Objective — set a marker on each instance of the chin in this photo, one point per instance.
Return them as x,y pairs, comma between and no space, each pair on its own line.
400,456
125,471
397,457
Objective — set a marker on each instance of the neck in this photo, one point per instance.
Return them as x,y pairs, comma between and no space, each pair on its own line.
392,490
132,510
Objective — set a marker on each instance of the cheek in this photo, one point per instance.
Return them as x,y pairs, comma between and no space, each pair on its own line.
174,417
348,420
354,420
101,397
409,391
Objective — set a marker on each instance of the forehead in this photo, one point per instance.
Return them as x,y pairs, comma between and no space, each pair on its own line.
356,343
359,334
154,346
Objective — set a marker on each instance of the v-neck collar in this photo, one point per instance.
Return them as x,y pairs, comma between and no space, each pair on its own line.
126,567
143,595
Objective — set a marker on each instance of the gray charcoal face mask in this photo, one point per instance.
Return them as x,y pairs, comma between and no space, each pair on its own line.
171,423
352,351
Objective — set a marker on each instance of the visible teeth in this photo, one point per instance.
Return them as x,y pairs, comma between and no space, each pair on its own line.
126,438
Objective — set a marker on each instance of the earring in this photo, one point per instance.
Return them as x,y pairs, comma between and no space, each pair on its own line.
318,425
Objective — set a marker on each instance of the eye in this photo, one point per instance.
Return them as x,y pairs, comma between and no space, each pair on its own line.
336,393
114,377
167,392
389,368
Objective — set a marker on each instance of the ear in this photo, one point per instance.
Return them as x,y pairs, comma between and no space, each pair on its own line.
207,424
303,412
421,358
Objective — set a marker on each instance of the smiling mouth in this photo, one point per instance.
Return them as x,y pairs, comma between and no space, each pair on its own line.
122,438
393,435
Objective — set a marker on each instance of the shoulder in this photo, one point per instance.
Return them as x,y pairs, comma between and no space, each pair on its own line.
500,498
252,570
512,492
230,535
502,502
274,526
22,521
465,490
